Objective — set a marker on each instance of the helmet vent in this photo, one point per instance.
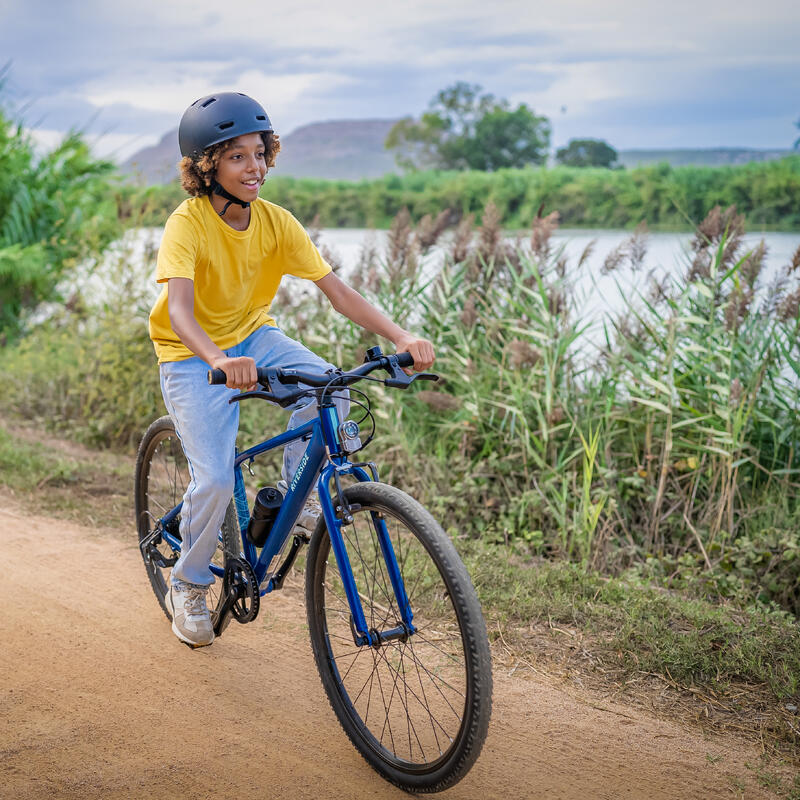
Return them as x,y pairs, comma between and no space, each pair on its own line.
225,125
260,117
209,102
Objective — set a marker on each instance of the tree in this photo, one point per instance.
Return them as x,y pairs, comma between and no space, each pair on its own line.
587,153
464,129
797,140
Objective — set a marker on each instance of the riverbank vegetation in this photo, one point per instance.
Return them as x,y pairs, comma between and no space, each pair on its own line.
766,194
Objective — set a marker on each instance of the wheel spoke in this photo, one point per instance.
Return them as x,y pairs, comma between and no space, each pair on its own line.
427,707
368,680
371,573
386,709
434,678
443,652
410,725
424,704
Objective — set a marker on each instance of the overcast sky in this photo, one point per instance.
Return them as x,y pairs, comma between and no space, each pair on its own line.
637,73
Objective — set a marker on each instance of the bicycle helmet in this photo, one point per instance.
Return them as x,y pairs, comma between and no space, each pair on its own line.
217,117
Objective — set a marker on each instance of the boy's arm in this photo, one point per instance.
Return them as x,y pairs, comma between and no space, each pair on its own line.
349,302
241,372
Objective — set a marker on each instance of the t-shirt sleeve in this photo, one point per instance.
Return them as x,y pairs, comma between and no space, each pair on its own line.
301,257
178,251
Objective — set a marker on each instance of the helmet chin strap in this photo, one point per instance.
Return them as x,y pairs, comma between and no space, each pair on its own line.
217,188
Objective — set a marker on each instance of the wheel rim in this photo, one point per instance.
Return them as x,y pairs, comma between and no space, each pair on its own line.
165,480
408,698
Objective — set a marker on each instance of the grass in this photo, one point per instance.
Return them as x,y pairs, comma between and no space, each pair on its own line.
63,479
777,784
647,448
28,466
735,667
644,627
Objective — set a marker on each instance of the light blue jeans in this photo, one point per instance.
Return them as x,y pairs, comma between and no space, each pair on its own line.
207,425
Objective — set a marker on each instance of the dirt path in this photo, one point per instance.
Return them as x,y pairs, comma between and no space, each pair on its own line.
99,700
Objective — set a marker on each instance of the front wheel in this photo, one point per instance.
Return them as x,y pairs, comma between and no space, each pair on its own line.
416,707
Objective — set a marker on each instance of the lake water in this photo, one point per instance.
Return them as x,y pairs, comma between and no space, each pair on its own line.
667,254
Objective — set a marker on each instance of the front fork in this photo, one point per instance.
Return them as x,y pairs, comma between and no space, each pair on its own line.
363,635
330,469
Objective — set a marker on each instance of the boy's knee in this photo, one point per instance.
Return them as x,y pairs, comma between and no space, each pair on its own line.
220,486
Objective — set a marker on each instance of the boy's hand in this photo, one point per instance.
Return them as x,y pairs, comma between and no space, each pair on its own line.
240,372
421,351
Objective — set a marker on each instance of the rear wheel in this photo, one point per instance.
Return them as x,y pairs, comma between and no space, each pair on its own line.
162,475
418,710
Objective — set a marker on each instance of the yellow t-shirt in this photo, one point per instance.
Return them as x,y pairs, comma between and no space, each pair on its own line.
236,273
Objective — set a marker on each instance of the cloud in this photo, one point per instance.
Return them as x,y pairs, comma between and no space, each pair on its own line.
625,68
706,110
113,146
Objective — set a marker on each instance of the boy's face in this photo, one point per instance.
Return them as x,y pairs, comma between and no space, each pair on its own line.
242,167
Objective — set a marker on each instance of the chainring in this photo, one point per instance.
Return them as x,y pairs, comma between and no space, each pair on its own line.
240,578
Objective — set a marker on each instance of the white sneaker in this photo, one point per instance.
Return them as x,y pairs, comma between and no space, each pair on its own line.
191,620
310,513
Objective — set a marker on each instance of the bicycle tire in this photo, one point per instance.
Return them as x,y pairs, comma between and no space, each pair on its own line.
162,475
438,673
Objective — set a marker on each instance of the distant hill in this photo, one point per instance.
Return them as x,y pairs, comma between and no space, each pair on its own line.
338,149
157,163
344,149
353,149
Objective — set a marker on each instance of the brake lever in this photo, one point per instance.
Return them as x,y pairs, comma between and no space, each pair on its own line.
279,392
407,380
247,395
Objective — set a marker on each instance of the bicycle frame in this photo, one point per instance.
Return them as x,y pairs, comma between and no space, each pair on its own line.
323,462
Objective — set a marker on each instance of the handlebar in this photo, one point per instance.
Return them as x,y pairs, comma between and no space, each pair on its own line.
276,381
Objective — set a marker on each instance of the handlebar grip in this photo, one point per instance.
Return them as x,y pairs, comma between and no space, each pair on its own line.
405,360
216,377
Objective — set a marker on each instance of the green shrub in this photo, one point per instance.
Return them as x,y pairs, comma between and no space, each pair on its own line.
90,370
56,211
671,198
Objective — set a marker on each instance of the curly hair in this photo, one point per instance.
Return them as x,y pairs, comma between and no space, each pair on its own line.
198,172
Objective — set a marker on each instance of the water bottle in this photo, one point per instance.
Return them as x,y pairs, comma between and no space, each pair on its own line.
265,509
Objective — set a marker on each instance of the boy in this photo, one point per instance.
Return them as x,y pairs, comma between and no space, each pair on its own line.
222,257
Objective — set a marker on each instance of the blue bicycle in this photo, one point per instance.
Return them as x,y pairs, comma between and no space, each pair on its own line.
395,625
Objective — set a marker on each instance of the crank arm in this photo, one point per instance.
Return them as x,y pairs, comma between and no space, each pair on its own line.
226,611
